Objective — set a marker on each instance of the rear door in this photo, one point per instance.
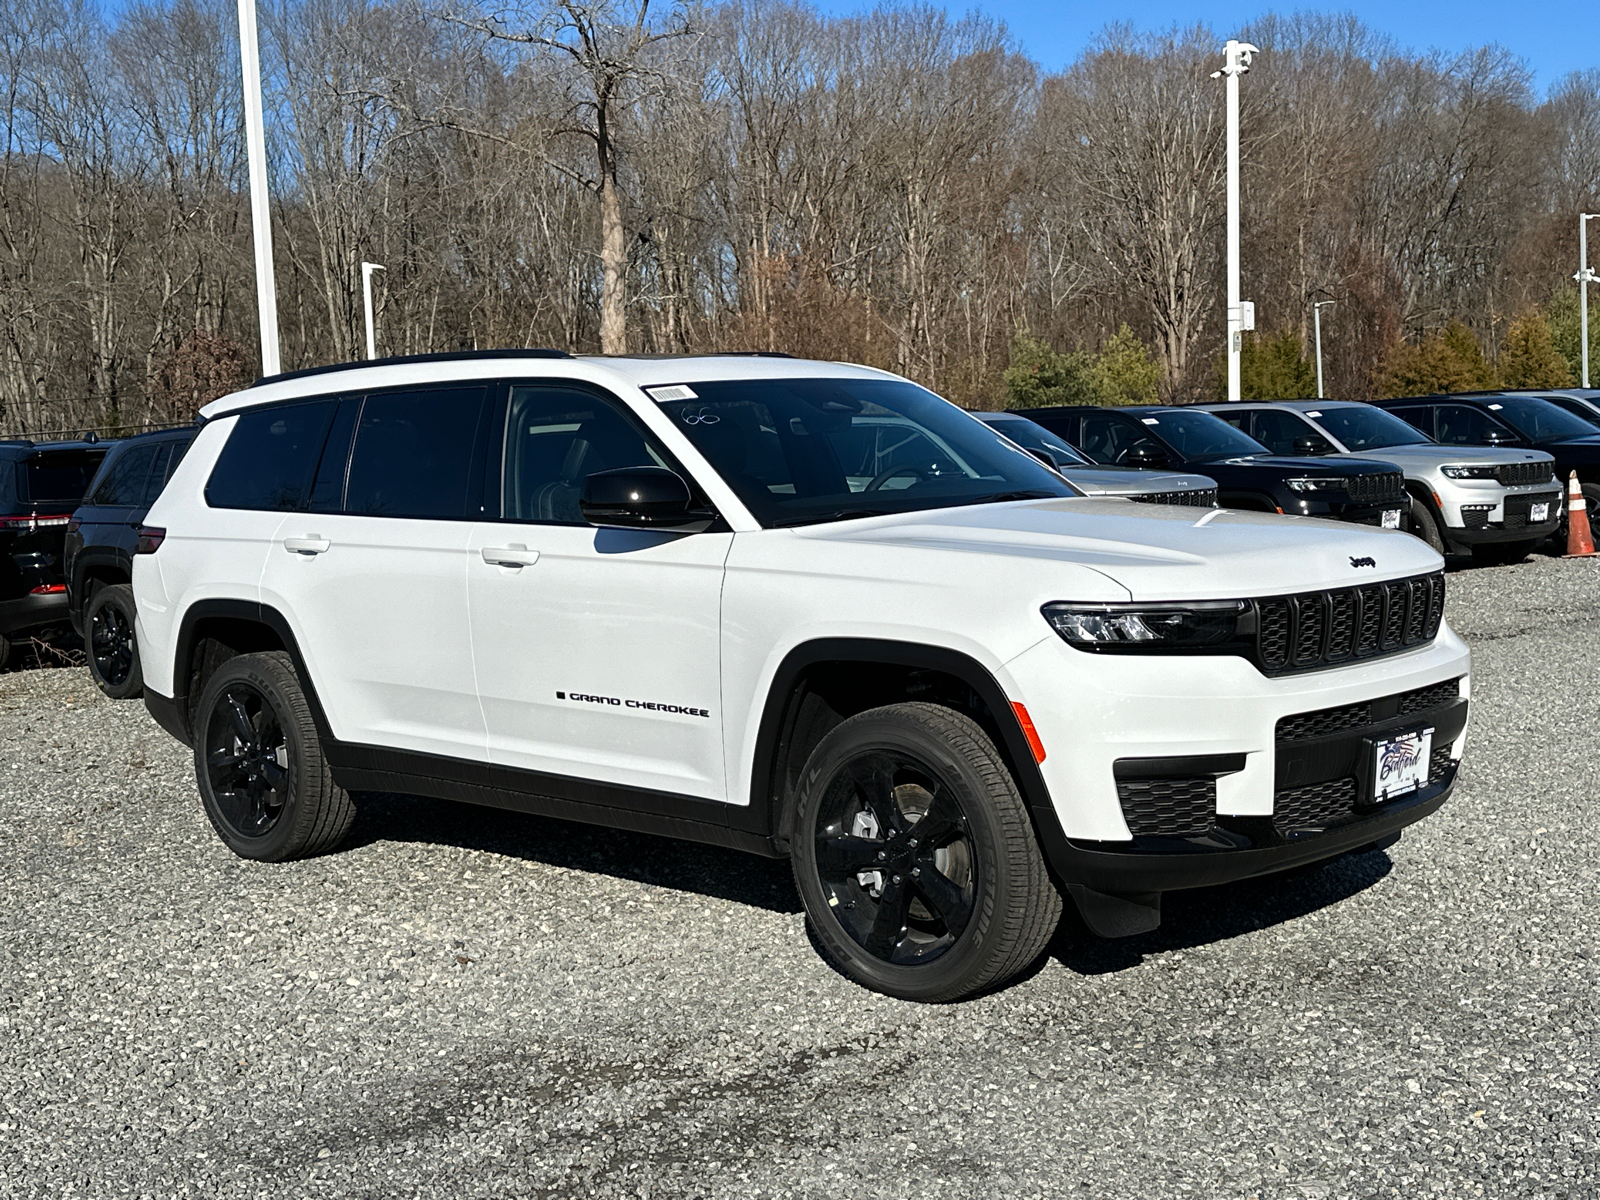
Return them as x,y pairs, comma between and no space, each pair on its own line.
597,650
371,569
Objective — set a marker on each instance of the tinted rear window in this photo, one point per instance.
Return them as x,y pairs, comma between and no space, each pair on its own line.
413,454
123,483
269,457
60,478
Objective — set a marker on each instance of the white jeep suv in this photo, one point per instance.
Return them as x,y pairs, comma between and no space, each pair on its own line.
799,608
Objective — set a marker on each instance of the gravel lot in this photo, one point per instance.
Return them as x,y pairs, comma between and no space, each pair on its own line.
463,1002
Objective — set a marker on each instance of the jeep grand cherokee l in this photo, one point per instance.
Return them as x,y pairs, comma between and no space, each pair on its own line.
799,608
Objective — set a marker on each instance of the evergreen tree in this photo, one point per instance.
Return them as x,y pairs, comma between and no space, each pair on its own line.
1040,375
1450,360
1123,372
1528,358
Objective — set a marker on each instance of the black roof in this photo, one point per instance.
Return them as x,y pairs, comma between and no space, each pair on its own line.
22,447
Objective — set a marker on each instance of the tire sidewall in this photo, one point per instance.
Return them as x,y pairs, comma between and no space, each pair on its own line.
1427,526
895,733
119,596
282,691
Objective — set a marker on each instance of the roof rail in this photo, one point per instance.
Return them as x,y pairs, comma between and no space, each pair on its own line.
409,359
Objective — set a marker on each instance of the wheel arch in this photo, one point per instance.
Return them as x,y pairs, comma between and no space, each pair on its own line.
213,631
821,682
1247,500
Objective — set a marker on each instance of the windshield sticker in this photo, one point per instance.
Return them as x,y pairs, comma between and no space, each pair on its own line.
672,391
1313,414
1496,407
1150,420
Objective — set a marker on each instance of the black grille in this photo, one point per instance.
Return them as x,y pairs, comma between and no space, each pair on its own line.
1176,807
1315,629
1199,498
1375,488
1323,721
1439,763
1523,474
1517,508
1314,806
1476,516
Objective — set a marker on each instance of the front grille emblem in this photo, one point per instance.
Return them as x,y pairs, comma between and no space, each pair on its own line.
1362,562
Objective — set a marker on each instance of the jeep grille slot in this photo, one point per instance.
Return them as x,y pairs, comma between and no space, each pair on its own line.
1199,498
1375,488
1523,474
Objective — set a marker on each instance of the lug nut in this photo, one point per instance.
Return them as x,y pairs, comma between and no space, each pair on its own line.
916,872
897,879
882,855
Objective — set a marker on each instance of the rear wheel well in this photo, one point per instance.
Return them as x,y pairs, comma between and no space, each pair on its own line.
97,577
213,641
824,694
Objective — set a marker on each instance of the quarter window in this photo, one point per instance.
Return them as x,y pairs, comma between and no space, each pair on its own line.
124,482
413,454
269,457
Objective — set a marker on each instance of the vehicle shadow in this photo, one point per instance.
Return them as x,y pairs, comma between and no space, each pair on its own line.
1206,915
657,861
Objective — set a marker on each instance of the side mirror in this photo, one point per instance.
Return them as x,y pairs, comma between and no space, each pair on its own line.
1311,444
1499,437
1148,457
640,498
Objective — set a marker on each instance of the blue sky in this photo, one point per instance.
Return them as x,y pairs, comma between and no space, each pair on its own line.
1552,37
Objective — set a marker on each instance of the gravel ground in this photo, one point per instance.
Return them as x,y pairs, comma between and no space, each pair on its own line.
467,1003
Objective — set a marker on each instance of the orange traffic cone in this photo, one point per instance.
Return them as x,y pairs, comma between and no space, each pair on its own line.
1579,542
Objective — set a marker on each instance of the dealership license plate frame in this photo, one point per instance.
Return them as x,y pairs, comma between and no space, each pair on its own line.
1539,513
1391,518
1406,754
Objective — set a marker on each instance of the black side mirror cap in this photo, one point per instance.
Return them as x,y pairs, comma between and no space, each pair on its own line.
1144,456
1309,445
641,498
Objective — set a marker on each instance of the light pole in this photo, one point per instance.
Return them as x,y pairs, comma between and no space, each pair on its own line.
366,294
260,213
1316,319
1236,61
1584,277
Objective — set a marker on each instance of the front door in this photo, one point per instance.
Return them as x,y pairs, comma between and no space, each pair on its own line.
597,650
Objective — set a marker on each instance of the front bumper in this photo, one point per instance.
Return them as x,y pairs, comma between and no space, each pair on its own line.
32,612
1485,520
1355,514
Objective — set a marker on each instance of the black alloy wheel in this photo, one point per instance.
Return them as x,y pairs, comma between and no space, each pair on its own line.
915,856
247,759
264,782
113,649
895,857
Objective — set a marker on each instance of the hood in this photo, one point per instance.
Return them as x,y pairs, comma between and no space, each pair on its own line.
1156,552
1340,465
1125,481
1429,455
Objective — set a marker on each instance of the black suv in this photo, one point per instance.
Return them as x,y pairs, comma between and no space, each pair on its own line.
100,543
1510,419
40,485
1248,475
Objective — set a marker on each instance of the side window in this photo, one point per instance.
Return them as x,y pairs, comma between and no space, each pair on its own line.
1107,438
413,453
124,482
1417,418
269,457
159,470
1278,431
1463,425
555,436
1239,420
327,491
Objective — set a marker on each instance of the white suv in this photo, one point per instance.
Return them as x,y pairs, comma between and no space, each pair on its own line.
799,608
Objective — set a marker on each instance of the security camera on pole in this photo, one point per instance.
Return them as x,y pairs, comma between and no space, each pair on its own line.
1241,313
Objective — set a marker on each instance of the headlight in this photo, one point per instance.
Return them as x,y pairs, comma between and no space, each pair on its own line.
1174,626
1335,483
1468,472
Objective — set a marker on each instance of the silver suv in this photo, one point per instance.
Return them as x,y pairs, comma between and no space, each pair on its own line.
1495,504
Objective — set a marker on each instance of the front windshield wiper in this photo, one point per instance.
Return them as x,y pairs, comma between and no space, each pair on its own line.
1028,494
848,514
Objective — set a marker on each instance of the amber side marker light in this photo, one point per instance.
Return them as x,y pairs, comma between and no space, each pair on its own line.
1028,731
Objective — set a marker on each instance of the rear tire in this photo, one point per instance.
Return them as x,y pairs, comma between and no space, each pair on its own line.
5,652
264,782
1502,554
959,910
1425,527
113,649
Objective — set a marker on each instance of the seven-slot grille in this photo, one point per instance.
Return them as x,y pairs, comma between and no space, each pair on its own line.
1319,629
1523,474
1199,498
1375,488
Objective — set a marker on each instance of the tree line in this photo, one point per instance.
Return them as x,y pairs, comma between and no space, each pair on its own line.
899,188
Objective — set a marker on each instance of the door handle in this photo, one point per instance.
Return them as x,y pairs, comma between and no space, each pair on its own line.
515,555
306,545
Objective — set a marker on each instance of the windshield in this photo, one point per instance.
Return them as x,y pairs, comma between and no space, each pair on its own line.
799,451
1362,427
1539,420
59,479
1200,435
1030,435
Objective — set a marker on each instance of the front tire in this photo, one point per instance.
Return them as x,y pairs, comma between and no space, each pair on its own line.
113,649
264,782
915,856
1502,554
1425,527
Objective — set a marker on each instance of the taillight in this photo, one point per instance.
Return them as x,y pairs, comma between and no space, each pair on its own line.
48,589
73,525
150,539
29,524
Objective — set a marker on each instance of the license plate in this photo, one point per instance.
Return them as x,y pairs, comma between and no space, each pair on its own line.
1538,512
1401,764
1391,518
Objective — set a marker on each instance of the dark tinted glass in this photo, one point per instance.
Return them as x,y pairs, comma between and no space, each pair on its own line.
159,471
269,457
1362,427
1199,435
123,484
1463,425
59,478
1032,436
799,451
327,493
554,437
1107,438
1278,431
1577,408
1419,418
1538,419
413,454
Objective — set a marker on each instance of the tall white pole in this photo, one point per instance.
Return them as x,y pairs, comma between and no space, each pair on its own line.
260,212
1584,277
366,293
1316,319
1236,62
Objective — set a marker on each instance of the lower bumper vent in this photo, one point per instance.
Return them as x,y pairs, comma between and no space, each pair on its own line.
1168,806
1318,805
